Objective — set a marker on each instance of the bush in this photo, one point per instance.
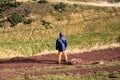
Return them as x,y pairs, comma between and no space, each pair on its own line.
28,21
60,7
4,5
16,4
46,24
1,23
43,1
2,9
118,39
15,19
112,1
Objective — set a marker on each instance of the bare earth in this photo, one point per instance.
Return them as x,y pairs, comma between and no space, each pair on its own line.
17,67
106,4
102,4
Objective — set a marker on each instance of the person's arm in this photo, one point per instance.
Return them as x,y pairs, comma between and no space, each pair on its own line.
66,43
56,45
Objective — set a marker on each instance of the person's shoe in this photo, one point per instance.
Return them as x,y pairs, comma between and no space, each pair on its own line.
58,62
65,60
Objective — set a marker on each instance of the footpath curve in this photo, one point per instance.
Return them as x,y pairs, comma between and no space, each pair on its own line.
102,4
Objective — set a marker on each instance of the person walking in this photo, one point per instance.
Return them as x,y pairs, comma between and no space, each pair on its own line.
61,45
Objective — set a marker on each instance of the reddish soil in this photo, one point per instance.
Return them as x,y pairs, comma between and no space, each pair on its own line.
19,63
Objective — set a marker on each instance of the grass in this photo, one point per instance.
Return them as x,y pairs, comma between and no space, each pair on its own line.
94,76
85,39
100,25
26,71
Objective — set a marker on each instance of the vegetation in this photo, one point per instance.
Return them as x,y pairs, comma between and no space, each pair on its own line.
15,19
43,1
1,23
27,21
46,24
96,76
60,7
7,4
83,26
113,1
99,75
118,39
97,0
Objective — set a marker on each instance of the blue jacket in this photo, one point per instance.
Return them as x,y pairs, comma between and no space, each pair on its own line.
61,43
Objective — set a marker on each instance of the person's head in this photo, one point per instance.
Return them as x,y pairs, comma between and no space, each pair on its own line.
61,34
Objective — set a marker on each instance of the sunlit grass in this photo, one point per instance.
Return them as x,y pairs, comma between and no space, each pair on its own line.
100,25
78,37
99,75
93,76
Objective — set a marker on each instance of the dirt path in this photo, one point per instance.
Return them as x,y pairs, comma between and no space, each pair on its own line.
38,65
102,4
51,59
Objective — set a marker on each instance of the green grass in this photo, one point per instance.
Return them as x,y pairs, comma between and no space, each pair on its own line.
100,26
97,75
89,37
93,76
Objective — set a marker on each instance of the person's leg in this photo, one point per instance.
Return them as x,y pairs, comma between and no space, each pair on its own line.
59,57
65,56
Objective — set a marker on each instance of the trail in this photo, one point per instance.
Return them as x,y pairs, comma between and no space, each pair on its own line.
102,4
21,67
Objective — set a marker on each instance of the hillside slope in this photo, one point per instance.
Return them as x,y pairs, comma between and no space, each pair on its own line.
84,26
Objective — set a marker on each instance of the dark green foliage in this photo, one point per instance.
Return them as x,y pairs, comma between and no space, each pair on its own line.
16,4
1,23
43,1
28,21
117,0
46,24
2,8
6,4
113,75
118,39
60,7
113,1
15,19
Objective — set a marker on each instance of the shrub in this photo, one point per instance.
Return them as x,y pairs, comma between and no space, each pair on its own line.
4,5
46,24
15,19
1,23
2,9
112,1
16,4
114,75
60,7
28,21
118,39
43,1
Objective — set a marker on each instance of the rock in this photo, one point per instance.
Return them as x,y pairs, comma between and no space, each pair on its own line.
76,61
98,62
